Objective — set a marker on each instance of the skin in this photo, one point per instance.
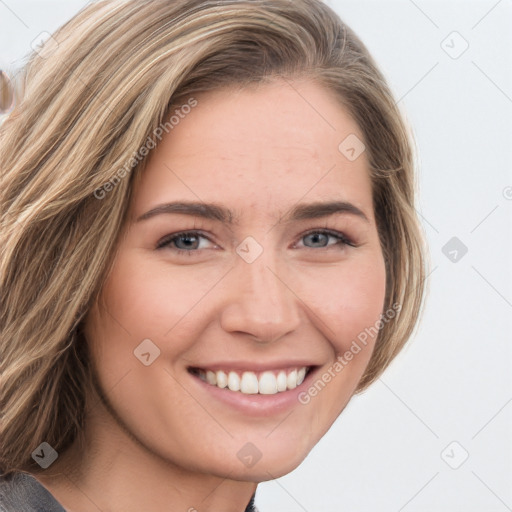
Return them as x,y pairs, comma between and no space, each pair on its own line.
159,440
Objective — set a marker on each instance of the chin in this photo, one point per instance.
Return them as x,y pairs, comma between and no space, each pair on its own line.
263,471
261,460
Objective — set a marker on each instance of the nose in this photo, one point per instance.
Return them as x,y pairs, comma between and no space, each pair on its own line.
260,301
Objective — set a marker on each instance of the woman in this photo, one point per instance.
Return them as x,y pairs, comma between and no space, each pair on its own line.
209,244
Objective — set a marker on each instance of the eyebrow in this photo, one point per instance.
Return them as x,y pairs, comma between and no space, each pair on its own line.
216,212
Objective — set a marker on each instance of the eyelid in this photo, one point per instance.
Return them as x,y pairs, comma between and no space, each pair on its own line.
162,243
343,239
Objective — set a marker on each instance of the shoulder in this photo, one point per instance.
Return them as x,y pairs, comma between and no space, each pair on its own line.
251,507
22,492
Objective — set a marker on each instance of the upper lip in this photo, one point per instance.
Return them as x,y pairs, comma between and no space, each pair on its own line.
253,365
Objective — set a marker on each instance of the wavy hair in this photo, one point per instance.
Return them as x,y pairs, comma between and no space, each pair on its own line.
87,102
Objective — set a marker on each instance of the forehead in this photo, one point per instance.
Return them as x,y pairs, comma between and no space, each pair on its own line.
261,148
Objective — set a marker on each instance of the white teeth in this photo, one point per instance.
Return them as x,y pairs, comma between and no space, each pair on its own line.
291,379
233,381
222,379
249,383
268,382
281,381
301,374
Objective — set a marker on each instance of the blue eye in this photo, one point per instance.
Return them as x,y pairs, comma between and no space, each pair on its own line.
189,242
321,237
185,242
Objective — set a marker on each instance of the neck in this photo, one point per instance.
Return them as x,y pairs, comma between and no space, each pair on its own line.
109,469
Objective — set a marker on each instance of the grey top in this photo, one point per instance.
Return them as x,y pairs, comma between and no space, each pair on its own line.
23,493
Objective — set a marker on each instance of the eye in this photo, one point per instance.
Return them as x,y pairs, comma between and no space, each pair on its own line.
319,239
185,242
189,242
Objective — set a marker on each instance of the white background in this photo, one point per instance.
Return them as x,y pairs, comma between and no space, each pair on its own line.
453,381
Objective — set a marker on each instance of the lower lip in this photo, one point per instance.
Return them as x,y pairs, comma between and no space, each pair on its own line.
256,405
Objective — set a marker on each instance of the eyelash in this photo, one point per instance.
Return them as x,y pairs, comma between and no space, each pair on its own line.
166,241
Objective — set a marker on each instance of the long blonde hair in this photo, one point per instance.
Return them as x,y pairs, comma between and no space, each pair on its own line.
91,98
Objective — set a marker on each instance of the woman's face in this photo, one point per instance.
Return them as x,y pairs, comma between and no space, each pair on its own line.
280,270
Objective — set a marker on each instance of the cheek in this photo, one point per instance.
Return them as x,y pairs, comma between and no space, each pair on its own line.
142,300
348,300
151,300
148,300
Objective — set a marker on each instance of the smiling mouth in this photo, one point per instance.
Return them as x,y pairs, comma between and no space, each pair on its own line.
268,382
